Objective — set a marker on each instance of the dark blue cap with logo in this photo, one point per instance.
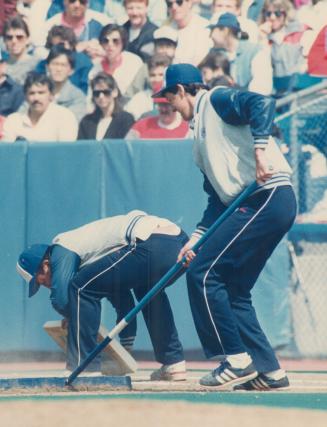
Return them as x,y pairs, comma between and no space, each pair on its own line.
28,265
179,74
228,20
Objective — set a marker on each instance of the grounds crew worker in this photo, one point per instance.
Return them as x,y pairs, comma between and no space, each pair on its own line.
106,259
233,147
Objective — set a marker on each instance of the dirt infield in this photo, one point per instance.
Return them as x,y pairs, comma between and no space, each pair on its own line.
123,413
156,404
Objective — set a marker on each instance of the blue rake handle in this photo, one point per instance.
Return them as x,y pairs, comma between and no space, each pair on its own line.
169,277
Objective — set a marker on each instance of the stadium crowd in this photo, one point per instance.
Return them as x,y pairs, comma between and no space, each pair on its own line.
94,64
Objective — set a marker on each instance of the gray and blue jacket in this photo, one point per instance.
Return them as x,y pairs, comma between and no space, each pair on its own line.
228,125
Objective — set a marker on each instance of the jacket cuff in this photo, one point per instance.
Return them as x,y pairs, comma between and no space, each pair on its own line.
198,233
261,141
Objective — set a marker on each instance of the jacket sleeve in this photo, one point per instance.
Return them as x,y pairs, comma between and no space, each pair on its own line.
214,208
236,107
64,264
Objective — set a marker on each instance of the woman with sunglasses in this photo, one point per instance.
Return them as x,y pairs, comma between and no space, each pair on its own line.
108,119
117,62
284,35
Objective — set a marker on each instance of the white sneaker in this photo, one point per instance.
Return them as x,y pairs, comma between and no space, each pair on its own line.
173,372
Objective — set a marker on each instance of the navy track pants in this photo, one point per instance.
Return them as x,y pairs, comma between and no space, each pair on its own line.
138,268
221,276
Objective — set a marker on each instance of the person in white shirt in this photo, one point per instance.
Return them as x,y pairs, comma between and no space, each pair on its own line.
193,35
44,121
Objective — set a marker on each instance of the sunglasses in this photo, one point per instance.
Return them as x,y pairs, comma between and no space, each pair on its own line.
277,13
19,37
170,4
105,92
107,40
83,2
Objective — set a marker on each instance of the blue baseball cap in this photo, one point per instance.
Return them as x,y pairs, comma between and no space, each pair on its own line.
228,20
179,74
28,265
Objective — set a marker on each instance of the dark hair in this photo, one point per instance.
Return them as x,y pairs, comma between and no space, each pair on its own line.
111,83
165,41
65,33
215,59
110,28
221,81
191,88
238,34
16,23
158,61
39,79
58,50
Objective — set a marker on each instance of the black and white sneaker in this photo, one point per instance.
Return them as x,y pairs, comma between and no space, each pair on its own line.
264,383
225,376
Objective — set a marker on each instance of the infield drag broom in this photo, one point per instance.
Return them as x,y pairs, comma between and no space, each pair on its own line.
168,278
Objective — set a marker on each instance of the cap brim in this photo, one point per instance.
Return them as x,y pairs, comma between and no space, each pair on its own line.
33,287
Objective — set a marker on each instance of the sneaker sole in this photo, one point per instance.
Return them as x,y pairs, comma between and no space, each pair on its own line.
256,390
236,381
181,376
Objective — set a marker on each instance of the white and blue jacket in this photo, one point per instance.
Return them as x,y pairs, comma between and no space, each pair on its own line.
228,125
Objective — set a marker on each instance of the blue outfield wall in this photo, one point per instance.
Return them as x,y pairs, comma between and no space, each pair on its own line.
49,188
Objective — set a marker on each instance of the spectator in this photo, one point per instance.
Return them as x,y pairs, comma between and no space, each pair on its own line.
7,10
234,6
60,66
283,34
193,35
250,63
16,36
215,65
44,121
317,57
83,64
119,63
11,93
57,6
168,124
157,11
142,102
108,119
139,29
86,24
165,41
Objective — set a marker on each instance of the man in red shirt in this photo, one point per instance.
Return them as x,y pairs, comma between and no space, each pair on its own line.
167,124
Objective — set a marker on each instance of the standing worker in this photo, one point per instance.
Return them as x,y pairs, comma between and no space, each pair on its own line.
233,147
